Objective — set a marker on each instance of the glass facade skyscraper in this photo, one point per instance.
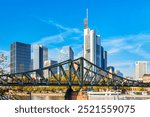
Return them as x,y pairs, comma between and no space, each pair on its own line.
66,53
47,63
92,45
20,57
103,58
40,54
93,51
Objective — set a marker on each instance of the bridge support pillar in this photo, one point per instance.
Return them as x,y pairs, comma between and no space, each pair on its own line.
68,93
75,95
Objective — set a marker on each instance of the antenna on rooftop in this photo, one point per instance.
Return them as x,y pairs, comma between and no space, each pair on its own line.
86,20
87,14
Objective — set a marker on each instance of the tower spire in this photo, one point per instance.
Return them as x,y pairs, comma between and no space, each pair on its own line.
87,14
86,20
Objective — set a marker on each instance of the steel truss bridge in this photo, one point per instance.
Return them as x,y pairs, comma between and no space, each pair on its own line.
79,72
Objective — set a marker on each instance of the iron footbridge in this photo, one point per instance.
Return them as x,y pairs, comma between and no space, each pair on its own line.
79,72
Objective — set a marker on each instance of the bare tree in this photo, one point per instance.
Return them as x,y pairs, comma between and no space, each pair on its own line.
4,64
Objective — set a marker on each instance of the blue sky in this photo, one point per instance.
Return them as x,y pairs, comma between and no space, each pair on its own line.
124,27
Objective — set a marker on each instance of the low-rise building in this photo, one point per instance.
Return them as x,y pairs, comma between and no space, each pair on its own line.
146,78
130,78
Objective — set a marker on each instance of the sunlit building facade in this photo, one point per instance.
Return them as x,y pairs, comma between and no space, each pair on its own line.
141,69
40,54
66,53
92,45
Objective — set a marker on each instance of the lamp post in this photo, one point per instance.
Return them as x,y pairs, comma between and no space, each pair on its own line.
30,94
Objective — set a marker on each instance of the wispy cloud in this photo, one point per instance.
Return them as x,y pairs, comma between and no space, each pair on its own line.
54,53
5,52
125,66
61,37
130,43
77,38
64,36
122,63
50,40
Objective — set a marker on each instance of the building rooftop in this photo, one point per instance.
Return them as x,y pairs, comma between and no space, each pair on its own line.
146,75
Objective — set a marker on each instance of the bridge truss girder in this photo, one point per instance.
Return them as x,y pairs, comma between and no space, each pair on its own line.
79,72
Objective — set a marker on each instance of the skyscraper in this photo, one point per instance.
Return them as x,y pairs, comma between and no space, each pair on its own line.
66,53
40,54
92,44
141,69
31,64
119,73
20,57
103,58
111,69
49,63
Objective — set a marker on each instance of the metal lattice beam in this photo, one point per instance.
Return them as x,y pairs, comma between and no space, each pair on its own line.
80,72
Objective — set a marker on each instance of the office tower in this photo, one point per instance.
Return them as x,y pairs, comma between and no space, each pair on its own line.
141,69
48,63
31,64
118,73
111,69
92,44
20,57
66,53
40,54
103,58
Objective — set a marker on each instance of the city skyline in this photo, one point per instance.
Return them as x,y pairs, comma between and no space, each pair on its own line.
125,33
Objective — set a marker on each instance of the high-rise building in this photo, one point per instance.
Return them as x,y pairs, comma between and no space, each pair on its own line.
20,57
118,73
40,54
141,69
31,64
111,69
92,44
66,53
103,58
54,70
